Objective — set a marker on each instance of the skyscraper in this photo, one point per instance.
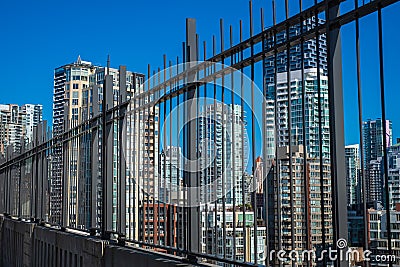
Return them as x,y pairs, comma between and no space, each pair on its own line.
78,95
12,127
309,49
310,121
352,174
373,141
298,142
296,201
171,179
34,115
16,124
394,174
69,81
224,152
373,131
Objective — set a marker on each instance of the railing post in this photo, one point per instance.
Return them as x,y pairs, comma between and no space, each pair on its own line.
34,175
2,185
190,177
65,174
336,117
94,158
107,158
122,159
39,166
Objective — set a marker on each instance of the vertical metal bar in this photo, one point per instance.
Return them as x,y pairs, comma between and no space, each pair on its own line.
36,177
304,139
44,170
122,151
224,144
164,146
72,176
321,137
155,202
21,171
65,177
142,215
190,177
253,150
215,171
233,147
165,189
178,170
242,145
94,157
172,215
336,118
360,129
385,134
198,150
264,148
107,158
289,111
133,163
205,148
184,197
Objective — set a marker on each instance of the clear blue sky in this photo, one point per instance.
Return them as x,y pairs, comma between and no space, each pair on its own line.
38,36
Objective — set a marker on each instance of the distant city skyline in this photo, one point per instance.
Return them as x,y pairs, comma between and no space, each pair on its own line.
20,24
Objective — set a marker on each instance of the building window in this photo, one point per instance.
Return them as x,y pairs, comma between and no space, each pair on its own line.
75,86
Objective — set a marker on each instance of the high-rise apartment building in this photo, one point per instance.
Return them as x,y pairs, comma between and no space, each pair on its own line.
34,116
218,231
373,141
12,127
298,137
352,154
171,178
76,88
277,117
373,136
224,153
309,48
378,234
300,208
16,124
394,175
69,82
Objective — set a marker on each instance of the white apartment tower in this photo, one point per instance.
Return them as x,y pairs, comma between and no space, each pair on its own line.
352,154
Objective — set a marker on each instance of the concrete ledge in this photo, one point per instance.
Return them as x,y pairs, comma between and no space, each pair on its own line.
27,244
15,242
66,248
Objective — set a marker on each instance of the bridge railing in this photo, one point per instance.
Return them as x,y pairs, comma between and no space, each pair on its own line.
212,157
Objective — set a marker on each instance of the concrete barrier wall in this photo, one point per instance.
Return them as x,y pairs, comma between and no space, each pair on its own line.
62,249
15,242
27,244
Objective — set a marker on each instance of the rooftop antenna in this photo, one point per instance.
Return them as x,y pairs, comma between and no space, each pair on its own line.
108,64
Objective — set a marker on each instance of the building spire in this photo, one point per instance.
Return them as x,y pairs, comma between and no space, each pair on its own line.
79,61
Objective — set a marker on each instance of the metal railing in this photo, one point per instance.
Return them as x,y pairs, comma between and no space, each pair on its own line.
213,157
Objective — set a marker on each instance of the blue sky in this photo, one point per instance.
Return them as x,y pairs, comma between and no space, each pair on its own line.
38,36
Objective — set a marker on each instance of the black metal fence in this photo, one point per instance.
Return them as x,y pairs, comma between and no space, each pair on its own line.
213,157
